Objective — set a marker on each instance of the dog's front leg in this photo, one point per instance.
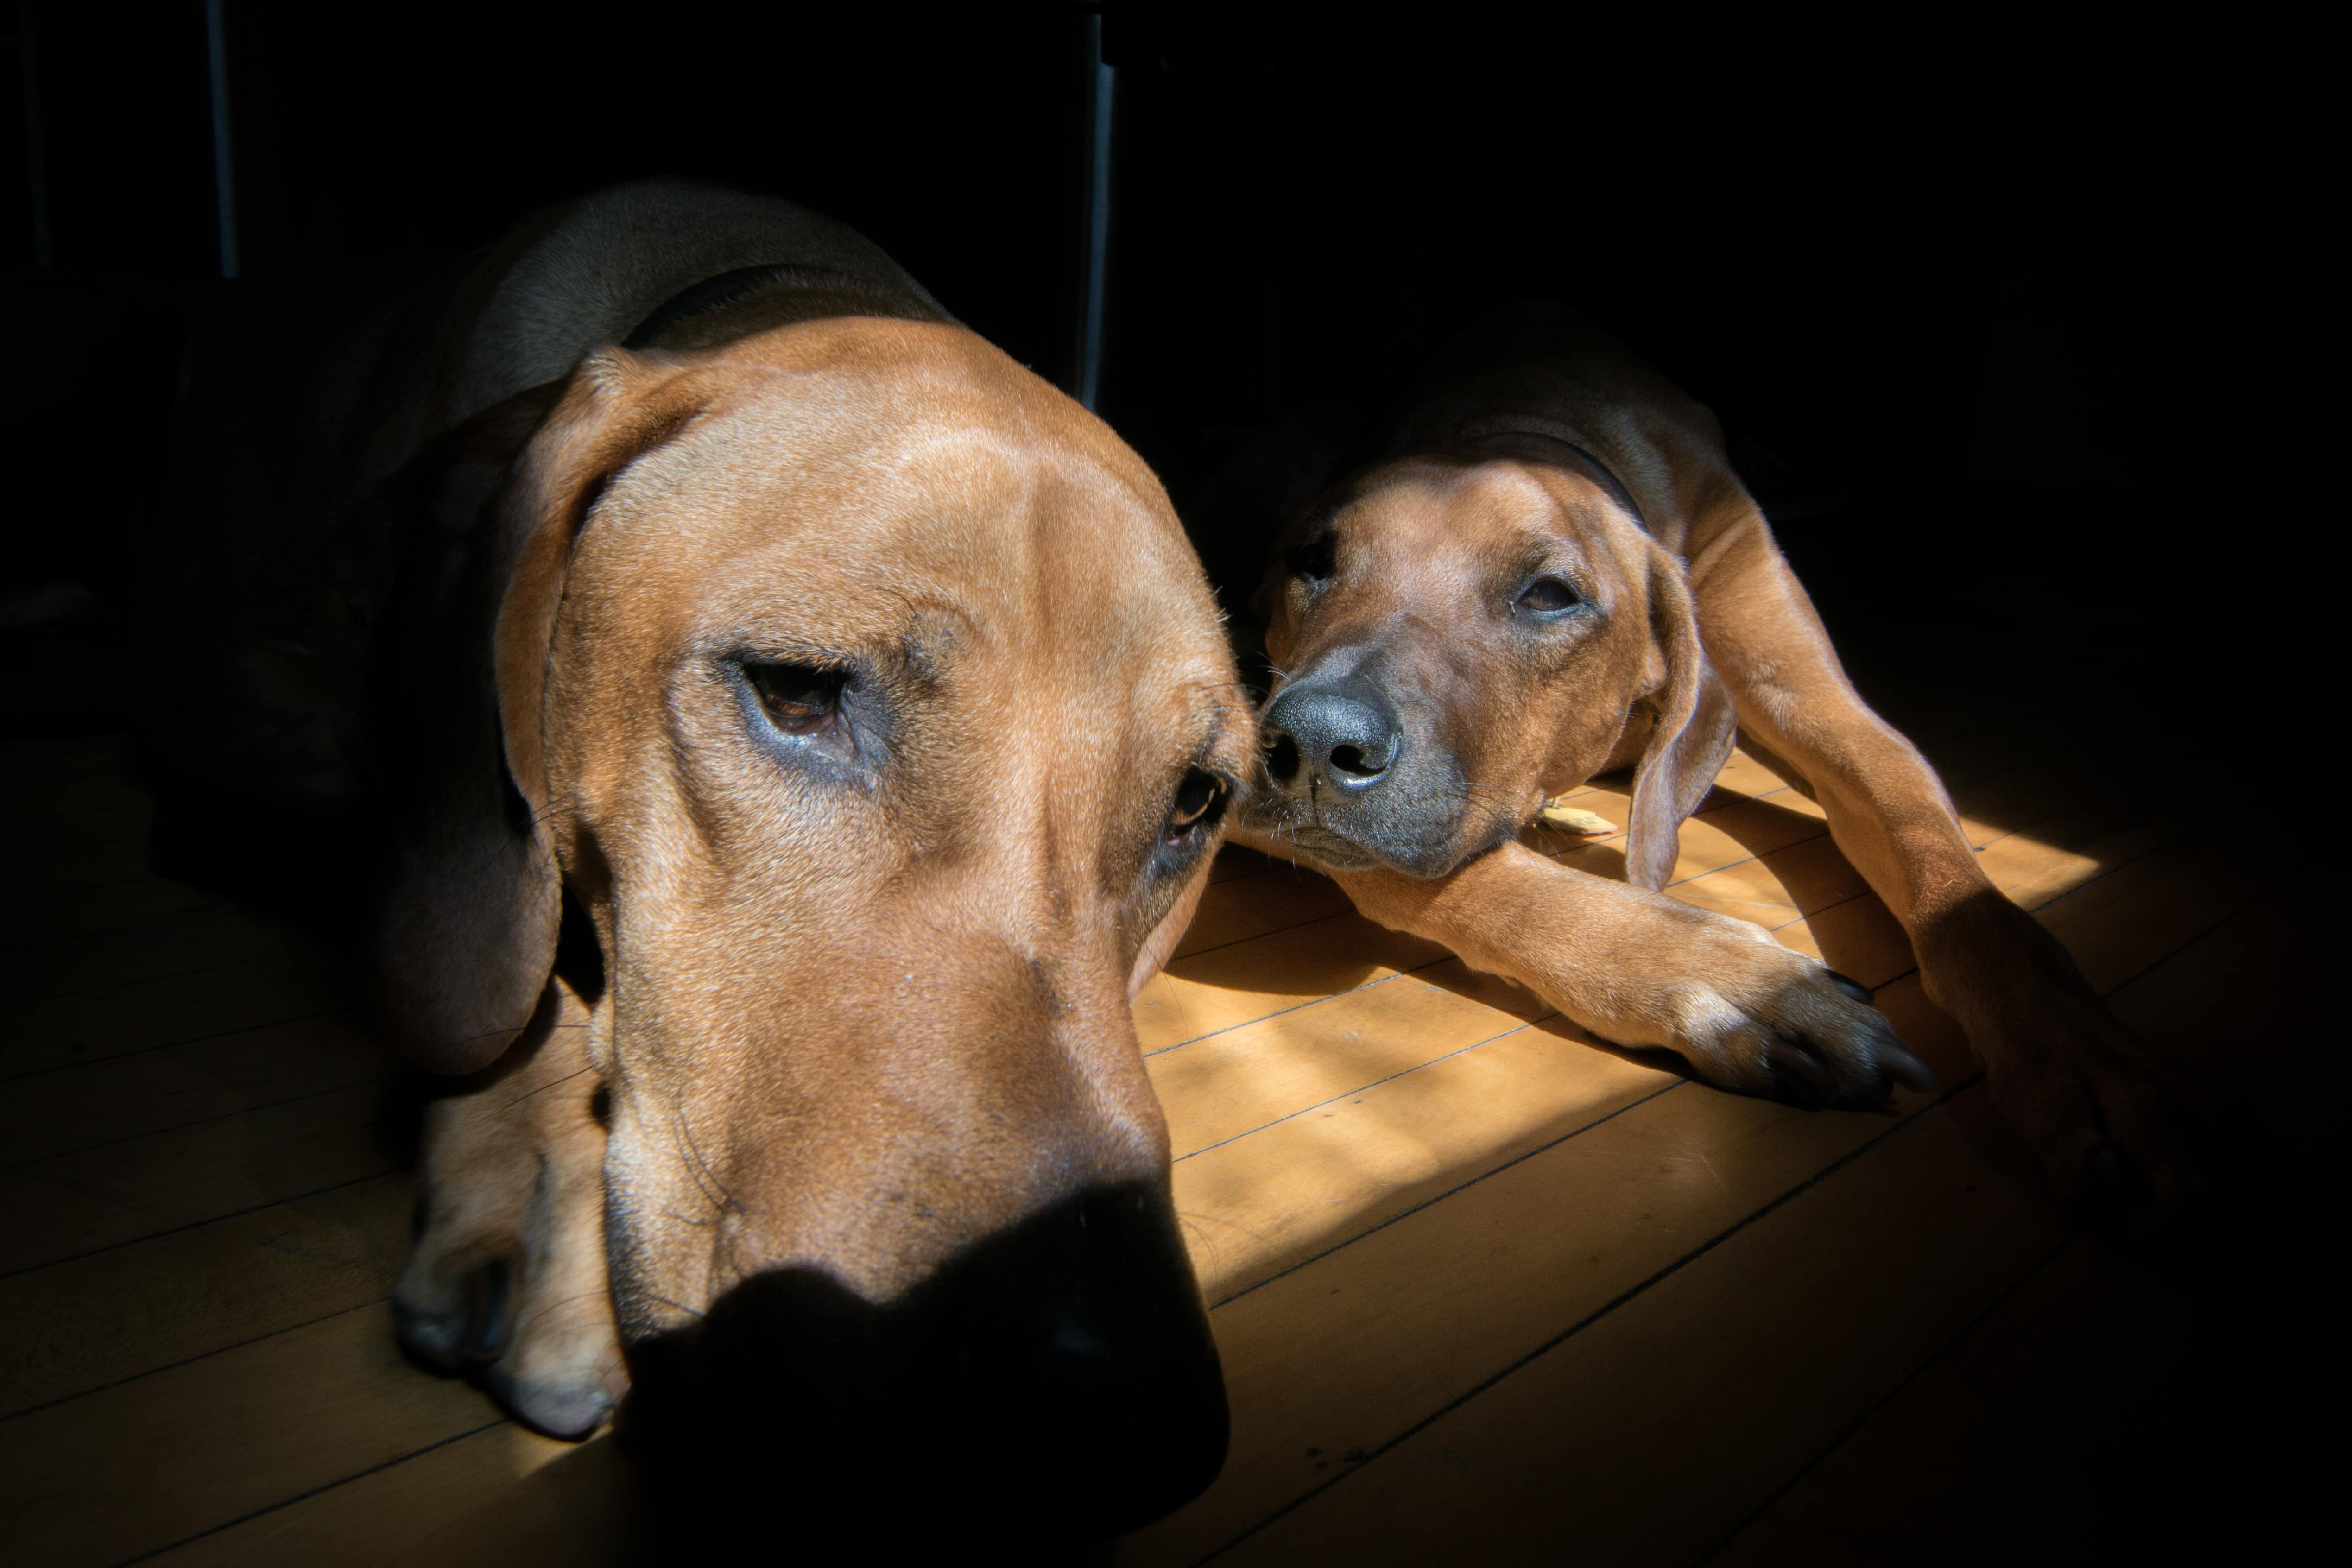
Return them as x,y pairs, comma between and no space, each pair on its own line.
2062,1071
1643,969
508,1281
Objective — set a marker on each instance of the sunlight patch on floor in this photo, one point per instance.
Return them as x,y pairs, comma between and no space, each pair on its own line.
1301,1121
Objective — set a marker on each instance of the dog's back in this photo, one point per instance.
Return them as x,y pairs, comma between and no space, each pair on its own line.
285,535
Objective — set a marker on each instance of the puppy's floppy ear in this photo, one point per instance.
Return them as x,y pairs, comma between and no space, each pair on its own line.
1696,723
465,932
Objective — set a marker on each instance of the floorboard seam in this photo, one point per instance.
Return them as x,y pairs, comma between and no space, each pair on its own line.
200,1224
322,961
1845,1434
1440,1197
170,1045
1310,1002
129,1378
1259,936
2256,897
314,1491
185,916
95,933
1523,1023
384,1075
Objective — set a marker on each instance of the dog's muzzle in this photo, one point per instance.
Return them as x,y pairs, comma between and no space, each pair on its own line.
1347,783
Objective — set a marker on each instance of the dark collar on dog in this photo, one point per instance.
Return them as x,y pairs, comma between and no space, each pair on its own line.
1568,454
713,292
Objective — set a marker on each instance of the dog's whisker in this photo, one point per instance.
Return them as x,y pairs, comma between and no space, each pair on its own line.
695,1313
543,1088
705,1178
524,1325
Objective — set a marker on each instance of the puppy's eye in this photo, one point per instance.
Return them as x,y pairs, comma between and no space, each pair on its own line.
1548,595
1317,559
800,698
1199,803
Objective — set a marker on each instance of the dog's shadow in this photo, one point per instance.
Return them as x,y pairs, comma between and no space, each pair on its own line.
598,1507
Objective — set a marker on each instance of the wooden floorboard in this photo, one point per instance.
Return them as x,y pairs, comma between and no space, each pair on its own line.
27,920
2089,1400
66,966
1486,1290
481,1496
89,1103
150,1463
67,1205
1309,1307
1719,1377
122,1313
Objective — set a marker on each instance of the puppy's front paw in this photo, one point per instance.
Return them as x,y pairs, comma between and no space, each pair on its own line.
2121,1148
1752,1017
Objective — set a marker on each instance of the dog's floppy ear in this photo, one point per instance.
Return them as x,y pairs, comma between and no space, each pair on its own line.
465,932
1696,723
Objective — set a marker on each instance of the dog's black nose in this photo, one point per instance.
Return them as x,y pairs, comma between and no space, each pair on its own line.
1061,1373
1348,737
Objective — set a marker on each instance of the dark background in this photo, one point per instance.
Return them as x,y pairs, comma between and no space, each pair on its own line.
2025,319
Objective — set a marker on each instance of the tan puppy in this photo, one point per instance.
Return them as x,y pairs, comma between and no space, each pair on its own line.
859,697
1555,572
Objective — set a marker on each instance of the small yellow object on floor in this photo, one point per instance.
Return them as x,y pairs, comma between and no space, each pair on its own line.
1567,819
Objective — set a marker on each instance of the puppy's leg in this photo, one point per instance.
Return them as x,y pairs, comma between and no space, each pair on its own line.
508,1280
2062,1069
1643,969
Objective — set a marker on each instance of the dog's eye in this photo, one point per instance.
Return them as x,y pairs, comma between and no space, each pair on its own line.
1548,595
1199,802
1317,559
799,698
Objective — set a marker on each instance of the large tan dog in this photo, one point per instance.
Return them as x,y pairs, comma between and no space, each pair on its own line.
1553,571
796,734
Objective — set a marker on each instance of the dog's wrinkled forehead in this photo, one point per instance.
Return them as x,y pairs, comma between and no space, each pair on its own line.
1472,523
922,510
947,569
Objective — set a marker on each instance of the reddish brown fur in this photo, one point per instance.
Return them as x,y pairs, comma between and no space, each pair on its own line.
864,992
1422,543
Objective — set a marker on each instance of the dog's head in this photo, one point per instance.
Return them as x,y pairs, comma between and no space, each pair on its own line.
862,694
1459,634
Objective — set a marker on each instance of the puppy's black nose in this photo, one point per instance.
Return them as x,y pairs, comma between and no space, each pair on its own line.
1061,1373
1348,738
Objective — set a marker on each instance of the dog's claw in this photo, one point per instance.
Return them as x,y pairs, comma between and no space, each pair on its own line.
1803,1081
1851,987
1906,1068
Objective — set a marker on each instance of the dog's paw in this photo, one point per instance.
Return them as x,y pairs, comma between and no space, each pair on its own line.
516,1301
1752,1017
2122,1148
507,1284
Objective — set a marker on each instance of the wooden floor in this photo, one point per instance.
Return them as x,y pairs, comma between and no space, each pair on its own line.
1484,1293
